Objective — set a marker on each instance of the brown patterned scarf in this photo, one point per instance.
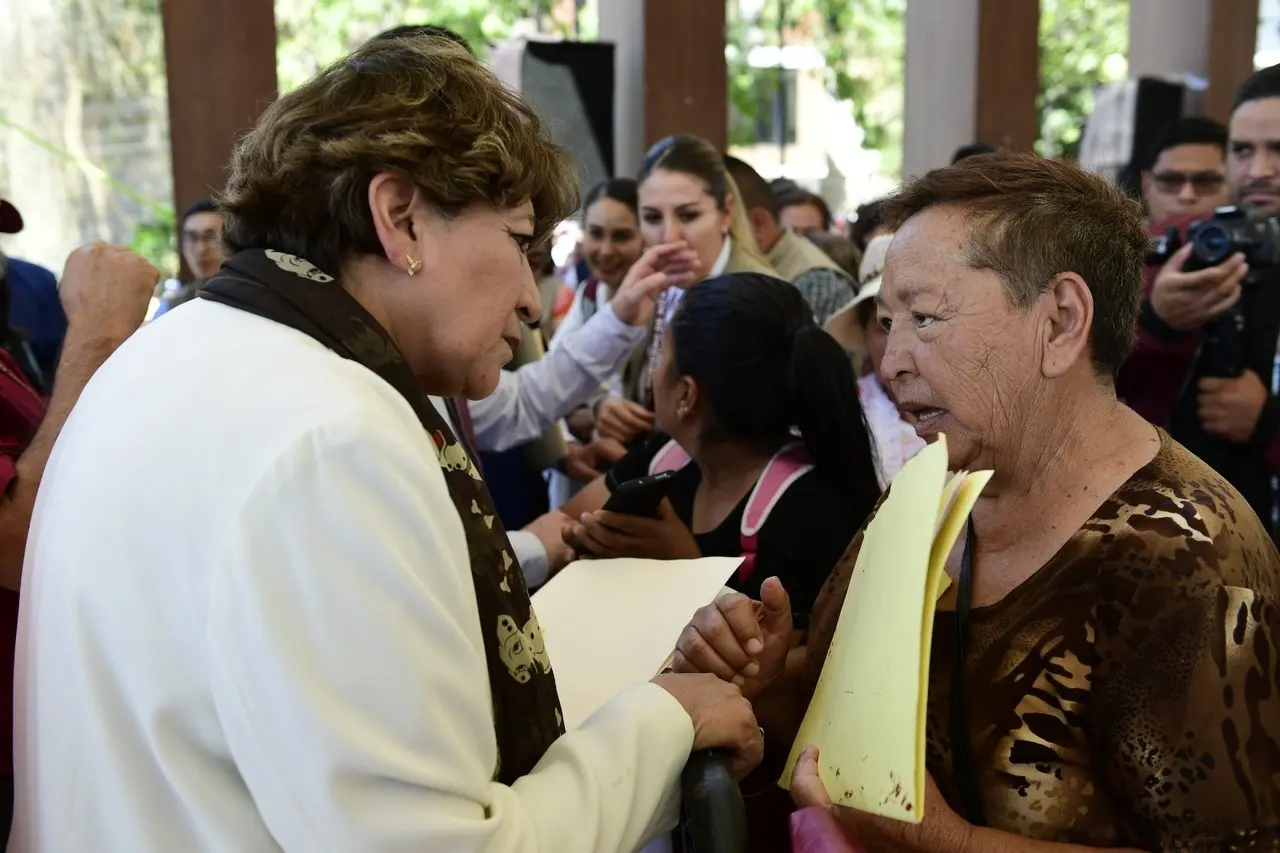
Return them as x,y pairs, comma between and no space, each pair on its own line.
291,291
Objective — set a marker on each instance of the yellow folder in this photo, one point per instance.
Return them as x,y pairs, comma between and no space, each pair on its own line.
867,716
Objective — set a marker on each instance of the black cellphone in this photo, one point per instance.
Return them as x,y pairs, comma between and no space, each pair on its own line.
642,496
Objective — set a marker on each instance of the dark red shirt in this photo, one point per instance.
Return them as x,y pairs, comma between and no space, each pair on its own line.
21,410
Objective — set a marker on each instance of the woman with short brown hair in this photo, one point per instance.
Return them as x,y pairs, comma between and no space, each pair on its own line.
1103,669
303,627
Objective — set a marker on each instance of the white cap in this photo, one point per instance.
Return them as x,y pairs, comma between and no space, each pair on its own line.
844,325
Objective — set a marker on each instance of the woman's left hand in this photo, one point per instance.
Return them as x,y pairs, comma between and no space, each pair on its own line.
605,534
941,829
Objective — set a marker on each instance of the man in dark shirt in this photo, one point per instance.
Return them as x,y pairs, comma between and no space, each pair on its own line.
33,310
105,291
1231,422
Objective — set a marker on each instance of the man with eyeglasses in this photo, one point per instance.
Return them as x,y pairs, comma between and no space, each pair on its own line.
201,241
1172,378
1188,169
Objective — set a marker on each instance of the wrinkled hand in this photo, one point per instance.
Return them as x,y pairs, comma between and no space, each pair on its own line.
585,462
739,640
622,420
105,291
549,529
941,829
667,265
722,717
1188,300
609,534
1230,408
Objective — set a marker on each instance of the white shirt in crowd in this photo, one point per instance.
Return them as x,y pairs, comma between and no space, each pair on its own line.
529,400
249,623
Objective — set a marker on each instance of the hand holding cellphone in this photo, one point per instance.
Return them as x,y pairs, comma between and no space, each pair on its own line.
642,496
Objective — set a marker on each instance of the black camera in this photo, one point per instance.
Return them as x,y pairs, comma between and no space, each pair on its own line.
1214,240
1217,238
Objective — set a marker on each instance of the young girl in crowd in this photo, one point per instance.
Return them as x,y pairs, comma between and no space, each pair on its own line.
742,366
685,194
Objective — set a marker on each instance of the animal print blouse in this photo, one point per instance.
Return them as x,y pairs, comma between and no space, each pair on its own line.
1128,693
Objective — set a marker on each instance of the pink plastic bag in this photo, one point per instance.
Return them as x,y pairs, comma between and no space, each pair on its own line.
816,830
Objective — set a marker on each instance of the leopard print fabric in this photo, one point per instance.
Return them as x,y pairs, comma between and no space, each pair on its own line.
1128,693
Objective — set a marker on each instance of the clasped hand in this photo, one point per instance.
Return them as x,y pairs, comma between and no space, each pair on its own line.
739,640
1230,408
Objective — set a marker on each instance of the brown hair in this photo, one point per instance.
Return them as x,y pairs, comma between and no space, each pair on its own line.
1031,219
423,107
689,155
799,198
692,155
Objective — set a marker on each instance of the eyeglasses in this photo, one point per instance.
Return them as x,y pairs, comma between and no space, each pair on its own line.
209,236
1202,183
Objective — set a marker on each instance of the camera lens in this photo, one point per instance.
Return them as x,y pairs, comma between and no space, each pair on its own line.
1213,244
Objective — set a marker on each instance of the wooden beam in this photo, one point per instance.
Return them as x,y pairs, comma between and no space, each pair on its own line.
220,57
1233,36
686,81
1008,73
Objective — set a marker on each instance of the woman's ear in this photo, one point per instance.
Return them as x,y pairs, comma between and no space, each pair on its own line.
728,214
688,396
1068,307
393,200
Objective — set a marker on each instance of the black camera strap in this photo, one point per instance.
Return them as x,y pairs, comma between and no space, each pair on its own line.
961,747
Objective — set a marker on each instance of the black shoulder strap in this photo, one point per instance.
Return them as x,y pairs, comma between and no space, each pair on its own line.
961,745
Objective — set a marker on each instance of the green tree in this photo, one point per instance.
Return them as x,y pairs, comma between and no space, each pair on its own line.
1083,43
313,33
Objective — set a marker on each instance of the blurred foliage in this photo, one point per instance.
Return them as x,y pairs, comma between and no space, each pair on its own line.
863,43
314,33
1083,43
154,240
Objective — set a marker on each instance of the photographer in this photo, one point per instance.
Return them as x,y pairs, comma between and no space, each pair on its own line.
1225,410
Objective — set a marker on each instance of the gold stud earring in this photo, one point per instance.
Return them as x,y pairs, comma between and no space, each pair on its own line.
682,410
413,264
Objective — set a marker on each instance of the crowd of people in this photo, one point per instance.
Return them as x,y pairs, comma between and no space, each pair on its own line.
267,556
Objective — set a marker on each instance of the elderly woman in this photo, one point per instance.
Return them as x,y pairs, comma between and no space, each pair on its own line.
1104,670
290,620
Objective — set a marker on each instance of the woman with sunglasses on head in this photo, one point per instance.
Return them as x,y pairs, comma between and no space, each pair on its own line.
686,195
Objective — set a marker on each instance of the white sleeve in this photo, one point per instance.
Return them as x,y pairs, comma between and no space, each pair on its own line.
350,681
575,319
529,400
531,554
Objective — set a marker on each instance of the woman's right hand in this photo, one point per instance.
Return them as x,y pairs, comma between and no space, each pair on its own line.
667,265
739,640
722,717
622,420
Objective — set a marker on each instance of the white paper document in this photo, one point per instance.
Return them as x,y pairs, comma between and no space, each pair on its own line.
609,624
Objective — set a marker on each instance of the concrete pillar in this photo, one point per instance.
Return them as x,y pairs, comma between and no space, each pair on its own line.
671,73
1169,37
220,79
622,22
1233,38
1008,73
1211,39
941,82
